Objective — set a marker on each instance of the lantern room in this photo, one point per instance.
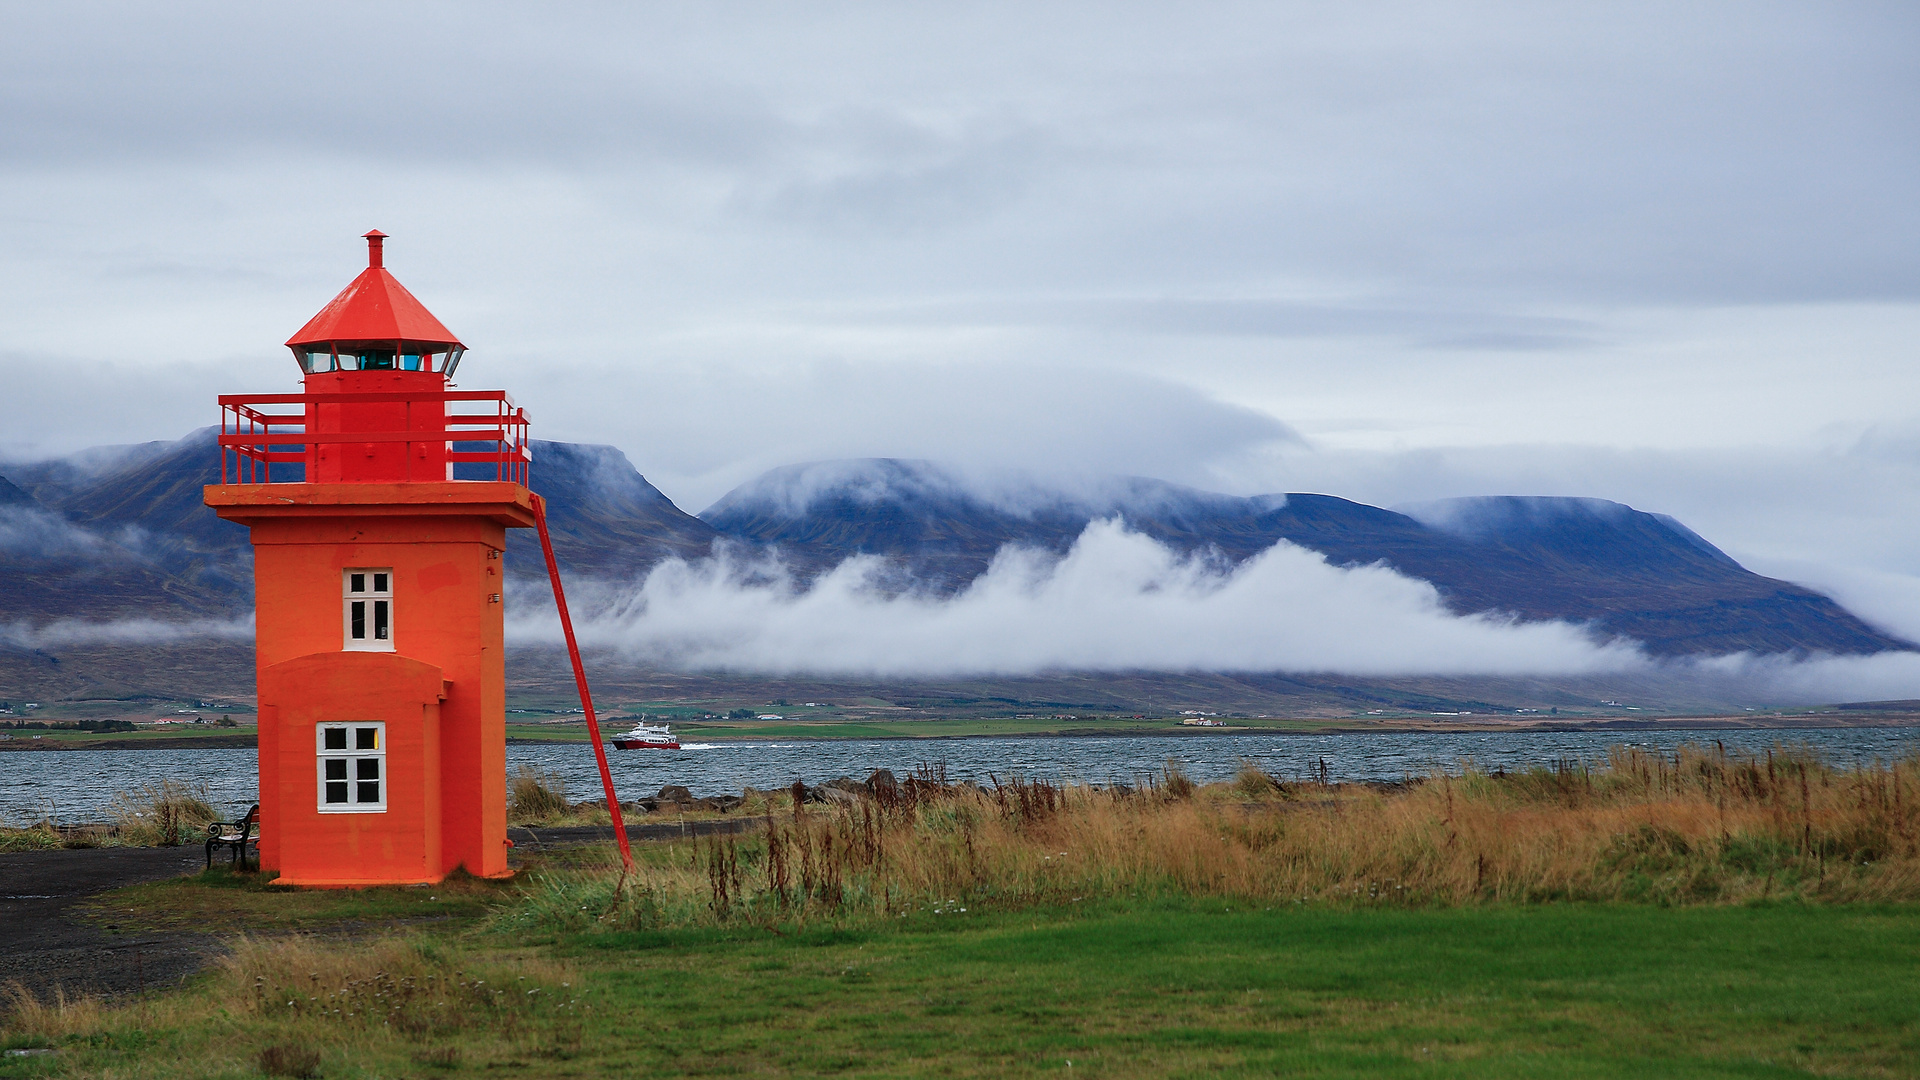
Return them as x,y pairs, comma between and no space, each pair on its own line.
375,324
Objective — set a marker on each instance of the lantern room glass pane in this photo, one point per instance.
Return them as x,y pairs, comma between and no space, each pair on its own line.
313,361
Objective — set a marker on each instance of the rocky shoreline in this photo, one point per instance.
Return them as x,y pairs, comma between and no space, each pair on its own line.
840,791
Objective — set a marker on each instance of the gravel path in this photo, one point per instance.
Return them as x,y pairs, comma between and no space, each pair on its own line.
44,947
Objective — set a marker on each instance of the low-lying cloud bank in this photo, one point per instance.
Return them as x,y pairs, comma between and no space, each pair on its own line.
34,534
1819,680
67,633
1117,601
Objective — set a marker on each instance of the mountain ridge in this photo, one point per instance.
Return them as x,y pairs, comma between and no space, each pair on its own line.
138,540
1623,571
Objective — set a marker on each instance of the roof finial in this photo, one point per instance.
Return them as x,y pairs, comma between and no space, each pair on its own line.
376,258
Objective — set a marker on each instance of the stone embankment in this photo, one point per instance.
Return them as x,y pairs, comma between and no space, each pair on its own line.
840,791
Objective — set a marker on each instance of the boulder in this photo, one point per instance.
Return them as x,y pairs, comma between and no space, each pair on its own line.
882,781
847,784
674,793
838,796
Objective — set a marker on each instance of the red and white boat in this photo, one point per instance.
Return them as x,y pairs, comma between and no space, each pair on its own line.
645,736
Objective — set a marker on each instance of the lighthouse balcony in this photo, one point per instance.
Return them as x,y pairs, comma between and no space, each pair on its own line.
390,436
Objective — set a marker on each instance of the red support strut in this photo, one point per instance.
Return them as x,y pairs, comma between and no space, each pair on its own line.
580,677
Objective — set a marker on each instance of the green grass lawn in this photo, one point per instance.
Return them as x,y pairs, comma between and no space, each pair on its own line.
172,735
1147,988
1191,989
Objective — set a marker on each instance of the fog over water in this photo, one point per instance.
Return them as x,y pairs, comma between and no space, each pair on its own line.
77,786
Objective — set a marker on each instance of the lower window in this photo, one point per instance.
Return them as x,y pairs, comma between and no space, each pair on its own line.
352,767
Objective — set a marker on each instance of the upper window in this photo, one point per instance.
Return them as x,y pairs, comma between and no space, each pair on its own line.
367,608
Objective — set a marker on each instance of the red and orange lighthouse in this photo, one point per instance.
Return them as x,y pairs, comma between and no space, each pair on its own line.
379,502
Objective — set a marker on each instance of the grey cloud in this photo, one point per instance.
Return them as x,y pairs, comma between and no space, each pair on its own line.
903,178
1062,420
791,490
354,83
1430,327
1700,153
120,402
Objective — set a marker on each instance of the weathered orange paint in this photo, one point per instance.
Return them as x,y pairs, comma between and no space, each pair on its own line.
441,691
387,499
400,845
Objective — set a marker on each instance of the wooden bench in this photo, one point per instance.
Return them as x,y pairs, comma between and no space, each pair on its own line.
235,836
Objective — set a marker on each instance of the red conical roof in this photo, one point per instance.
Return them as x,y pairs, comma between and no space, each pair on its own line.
374,308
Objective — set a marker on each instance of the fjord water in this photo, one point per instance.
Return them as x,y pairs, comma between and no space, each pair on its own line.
79,785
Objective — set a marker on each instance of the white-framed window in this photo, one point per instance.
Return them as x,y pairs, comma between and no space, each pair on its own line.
352,767
366,608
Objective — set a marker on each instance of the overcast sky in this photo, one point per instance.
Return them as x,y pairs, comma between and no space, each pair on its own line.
1659,253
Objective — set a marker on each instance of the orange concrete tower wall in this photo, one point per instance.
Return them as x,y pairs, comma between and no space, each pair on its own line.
400,845
443,543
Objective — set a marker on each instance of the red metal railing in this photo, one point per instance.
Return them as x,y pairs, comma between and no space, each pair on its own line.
253,440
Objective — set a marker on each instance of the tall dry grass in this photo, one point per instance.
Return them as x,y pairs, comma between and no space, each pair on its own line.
34,1020
1697,826
301,999
163,813
535,796
401,984
40,837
